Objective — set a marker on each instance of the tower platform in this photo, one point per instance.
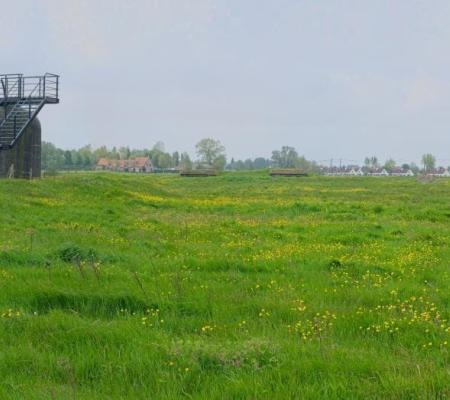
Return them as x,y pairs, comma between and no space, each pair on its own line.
21,100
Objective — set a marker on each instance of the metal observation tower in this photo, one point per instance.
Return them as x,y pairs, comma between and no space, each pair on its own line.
21,100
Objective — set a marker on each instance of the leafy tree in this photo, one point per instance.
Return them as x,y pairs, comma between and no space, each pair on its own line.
240,165
78,159
286,158
51,156
303,163
429,162
209,150
176,159
389,165
164,160
101,152
138,153
114,153
371,162
154,157
87,157
248,164
68,159
160,146
185,161
414,168
220,162
260,162
124,153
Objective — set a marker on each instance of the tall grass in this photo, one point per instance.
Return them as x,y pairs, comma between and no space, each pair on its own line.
237,286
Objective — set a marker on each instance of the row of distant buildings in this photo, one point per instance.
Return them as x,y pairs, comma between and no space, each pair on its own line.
137,164
144,165
359,171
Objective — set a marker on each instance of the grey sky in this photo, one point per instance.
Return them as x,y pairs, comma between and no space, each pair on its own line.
340,79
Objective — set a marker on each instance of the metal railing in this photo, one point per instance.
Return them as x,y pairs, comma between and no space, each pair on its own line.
11,85
22,98
17,86
23,104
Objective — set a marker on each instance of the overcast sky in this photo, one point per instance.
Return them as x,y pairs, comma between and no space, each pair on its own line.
335,79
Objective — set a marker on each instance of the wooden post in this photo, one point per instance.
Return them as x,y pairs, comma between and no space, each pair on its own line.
11,171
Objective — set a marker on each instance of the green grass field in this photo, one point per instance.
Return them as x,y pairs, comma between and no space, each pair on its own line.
240,286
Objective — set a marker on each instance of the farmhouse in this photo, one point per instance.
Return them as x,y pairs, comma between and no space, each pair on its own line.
103,164
440,172
401,172
343,171
355,170
138,164
378,172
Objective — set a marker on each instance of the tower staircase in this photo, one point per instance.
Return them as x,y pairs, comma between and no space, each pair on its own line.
21,98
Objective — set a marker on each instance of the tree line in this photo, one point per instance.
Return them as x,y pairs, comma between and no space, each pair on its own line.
428,163
210,153
86,157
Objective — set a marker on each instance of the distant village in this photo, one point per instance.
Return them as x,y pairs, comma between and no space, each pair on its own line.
211,157
144,165
363,171
138,164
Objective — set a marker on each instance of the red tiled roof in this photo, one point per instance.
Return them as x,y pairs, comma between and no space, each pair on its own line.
138,162
103,162
141,162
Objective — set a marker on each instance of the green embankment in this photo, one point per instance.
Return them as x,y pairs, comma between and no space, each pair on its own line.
237,286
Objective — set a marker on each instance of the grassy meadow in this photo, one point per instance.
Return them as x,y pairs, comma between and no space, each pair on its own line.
241,286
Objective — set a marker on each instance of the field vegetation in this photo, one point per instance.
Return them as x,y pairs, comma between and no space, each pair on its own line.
236,286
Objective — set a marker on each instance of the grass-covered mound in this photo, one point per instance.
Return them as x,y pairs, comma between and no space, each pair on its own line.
237,286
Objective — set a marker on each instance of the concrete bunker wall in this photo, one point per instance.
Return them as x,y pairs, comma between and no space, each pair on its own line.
24,159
